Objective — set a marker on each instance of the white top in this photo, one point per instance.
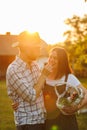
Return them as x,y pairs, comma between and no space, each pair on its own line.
72,80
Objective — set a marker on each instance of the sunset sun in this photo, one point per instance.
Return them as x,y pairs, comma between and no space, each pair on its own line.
44,16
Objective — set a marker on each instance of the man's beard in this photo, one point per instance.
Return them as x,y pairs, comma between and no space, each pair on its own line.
31,58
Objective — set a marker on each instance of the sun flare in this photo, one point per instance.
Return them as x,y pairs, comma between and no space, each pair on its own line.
44,16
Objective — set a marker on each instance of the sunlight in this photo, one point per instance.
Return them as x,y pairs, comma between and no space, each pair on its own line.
51,30
43,16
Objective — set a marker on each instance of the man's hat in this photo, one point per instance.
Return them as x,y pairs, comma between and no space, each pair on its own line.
27,37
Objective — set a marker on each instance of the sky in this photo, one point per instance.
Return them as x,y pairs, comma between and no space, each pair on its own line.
43,16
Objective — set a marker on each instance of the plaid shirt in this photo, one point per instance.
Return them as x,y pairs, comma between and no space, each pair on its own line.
20,82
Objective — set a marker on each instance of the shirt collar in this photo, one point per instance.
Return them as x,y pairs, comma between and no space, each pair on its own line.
20,61
23,63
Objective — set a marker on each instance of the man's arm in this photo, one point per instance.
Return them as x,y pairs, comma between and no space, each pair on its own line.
20,85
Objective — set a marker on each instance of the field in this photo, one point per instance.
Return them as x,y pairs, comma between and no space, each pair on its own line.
6,112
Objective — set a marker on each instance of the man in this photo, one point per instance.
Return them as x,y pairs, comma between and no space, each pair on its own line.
25,83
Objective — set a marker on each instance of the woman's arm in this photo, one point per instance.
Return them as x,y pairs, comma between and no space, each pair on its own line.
74,108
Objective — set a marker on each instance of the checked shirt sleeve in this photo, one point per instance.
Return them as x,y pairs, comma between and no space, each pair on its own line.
21,85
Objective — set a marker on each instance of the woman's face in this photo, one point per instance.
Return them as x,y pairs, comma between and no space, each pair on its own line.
53,59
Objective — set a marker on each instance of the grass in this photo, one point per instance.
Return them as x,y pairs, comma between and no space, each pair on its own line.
84,81
82,118
6,112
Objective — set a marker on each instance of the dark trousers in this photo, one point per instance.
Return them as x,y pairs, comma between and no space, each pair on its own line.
62,122
31,127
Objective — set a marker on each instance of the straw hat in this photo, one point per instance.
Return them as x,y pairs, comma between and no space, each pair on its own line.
26,37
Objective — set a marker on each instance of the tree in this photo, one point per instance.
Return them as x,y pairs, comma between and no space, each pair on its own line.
76,43
78,29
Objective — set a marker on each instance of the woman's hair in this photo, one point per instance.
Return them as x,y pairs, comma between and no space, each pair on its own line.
63,62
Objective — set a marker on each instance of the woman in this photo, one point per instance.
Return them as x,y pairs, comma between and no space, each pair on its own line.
61,72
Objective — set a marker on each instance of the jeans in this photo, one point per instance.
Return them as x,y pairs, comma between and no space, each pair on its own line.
31,127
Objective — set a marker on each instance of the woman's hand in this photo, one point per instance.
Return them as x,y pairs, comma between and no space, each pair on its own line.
69,110
15,105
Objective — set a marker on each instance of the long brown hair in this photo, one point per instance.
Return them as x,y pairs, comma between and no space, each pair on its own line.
63,62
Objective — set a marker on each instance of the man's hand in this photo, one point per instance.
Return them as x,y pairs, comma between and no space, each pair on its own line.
15,105
47,69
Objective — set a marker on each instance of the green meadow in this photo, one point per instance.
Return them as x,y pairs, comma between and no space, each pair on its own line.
6,112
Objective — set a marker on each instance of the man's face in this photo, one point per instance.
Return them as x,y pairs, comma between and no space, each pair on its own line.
29,44
31,50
